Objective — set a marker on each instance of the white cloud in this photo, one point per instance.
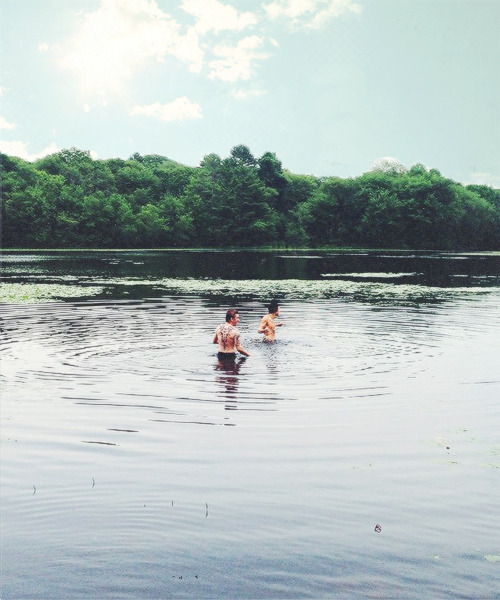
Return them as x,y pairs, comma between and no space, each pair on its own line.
290,9
43,47
334,9
236,62
118,38
4,124
484,178
213,15
244,94
312,14
20,149
187,49
121,37
178,110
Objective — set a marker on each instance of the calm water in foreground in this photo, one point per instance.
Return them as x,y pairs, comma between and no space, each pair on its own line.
134,466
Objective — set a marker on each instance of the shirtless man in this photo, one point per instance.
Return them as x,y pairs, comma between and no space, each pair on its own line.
227,335
267,325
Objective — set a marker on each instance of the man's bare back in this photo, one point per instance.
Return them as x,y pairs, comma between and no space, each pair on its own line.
227,335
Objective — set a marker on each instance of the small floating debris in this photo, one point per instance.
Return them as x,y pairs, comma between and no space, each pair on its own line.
492,558
123,430
370,275
308,256
101,443
378,528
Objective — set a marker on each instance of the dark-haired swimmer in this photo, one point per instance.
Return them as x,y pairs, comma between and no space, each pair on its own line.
227,335
267,325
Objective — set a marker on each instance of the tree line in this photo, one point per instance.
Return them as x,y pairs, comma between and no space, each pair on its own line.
69,200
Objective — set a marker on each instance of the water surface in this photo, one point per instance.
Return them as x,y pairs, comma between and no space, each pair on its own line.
134,465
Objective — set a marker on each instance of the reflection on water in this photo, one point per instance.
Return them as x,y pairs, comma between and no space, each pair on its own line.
137,465
227,376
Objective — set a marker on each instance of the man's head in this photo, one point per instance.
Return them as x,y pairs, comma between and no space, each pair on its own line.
232,315
273,307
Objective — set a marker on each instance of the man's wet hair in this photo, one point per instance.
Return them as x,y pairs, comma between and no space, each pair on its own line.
231,313
273,306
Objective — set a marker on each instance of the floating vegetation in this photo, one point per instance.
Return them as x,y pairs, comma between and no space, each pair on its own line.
379,292
32,293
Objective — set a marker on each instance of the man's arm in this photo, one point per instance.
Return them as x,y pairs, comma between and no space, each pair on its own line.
238,346
242,350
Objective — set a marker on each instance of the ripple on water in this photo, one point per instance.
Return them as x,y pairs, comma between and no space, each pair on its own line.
157,356
128,443
170,341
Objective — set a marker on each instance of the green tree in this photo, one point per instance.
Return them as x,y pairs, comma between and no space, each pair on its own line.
134,176
30,213
70,200
383,223
318,217
173,179
230,204
271,174
241,155
107,222
72,164
389,166
297,190
178,222
477,223
151,230
429,212
490,194
333,213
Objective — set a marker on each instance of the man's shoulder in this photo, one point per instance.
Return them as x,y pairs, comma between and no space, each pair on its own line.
227,327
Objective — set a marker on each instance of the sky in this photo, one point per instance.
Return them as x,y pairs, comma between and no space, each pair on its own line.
329,86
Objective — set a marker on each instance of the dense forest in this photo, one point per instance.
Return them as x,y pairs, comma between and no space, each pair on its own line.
69,200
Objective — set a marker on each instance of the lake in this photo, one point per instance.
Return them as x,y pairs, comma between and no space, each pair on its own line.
357,457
